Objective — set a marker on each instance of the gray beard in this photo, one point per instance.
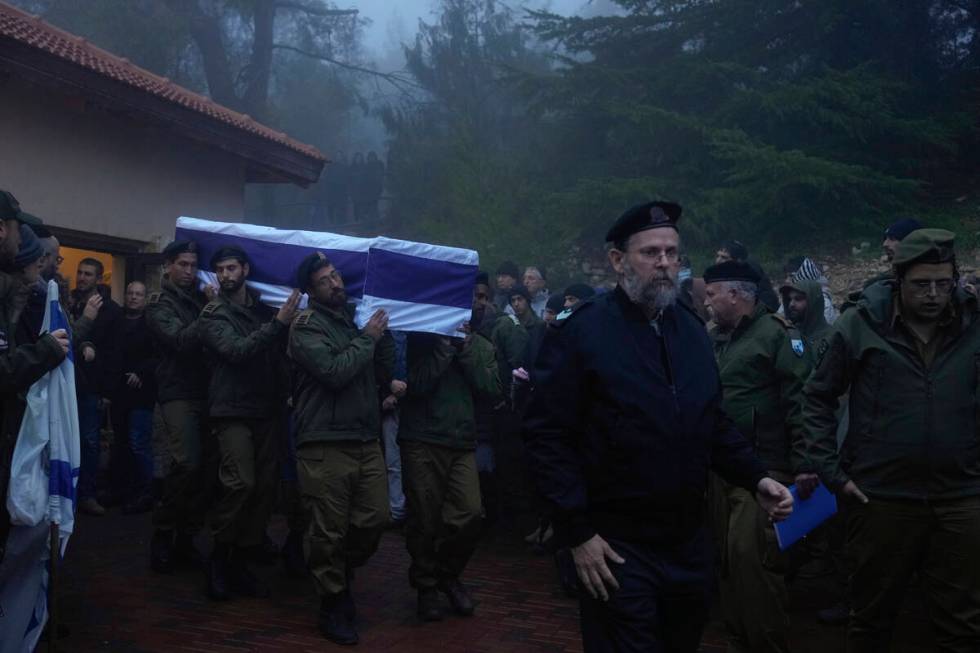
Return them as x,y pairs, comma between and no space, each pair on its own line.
652,296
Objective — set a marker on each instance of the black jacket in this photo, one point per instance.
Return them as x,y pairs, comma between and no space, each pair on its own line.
139,356
624,424
99,377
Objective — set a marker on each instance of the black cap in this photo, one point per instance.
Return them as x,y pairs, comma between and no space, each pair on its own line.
509,268
556,303
641,217
178,247
519,290
309,265
736,250
482,278
229,251
731,271
580,291
902,228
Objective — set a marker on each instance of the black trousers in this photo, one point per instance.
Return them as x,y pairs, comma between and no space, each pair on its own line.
661,605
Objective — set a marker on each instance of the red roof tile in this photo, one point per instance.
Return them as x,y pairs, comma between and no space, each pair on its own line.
35,32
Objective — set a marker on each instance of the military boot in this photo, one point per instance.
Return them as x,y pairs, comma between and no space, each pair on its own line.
161,552
430,608
333,621
217,573
459,597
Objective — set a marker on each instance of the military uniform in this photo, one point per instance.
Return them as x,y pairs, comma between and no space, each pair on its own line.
246,406
437,437
912,449
339,373
172,317
763,367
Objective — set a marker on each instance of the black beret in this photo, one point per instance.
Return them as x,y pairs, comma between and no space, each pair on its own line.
482,278
641,217
519,290
229,251
580,291
509,268
178,247
731,271
309,265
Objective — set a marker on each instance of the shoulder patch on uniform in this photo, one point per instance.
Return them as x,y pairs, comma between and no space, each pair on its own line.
798,347
210,308
154,298
304,317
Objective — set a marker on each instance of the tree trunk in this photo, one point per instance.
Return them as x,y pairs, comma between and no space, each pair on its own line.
256,98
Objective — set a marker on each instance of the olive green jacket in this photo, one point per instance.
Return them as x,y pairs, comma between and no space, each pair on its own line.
338,375
814,327
173,318
913,431
247,347
763,368
510,341
443,384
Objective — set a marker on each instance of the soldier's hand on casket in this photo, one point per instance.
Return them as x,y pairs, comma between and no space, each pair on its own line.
590,564
377,324
774,498
288,310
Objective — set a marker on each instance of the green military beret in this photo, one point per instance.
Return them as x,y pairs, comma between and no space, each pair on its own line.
925,246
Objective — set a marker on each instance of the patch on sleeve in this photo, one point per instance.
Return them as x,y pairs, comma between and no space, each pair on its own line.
798,348
210,308
154,298
304,317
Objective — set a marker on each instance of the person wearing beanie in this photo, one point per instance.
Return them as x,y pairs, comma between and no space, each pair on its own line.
556,304
576,293
520,302
247,396
894,234
173,320
734,250
763,364
339,370
908,469
507,278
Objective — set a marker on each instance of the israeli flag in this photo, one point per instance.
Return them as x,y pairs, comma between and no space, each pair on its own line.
422,287
44,474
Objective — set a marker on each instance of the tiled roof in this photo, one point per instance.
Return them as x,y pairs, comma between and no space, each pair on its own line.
33,31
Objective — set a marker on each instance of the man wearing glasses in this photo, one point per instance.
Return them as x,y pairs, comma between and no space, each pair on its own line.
909,468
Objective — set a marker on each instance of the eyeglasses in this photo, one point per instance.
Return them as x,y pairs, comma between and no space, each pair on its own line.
924,288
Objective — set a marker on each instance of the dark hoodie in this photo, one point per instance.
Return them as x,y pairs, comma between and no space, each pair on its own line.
100,376
814,327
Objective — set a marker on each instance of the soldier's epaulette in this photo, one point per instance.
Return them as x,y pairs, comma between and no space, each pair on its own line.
154,298
210,308
562,318
782,320
303,318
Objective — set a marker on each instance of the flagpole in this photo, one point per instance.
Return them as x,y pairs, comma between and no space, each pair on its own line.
53,563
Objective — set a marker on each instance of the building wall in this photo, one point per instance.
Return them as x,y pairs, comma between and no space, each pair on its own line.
84,168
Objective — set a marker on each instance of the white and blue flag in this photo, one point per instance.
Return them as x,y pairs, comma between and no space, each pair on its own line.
44,474
422,287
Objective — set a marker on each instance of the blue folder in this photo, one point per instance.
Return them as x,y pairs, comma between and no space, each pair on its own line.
806,516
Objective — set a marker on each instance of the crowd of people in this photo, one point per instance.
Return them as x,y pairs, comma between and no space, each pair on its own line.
646,435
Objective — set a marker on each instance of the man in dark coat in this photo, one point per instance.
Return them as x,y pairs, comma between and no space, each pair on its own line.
622,429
